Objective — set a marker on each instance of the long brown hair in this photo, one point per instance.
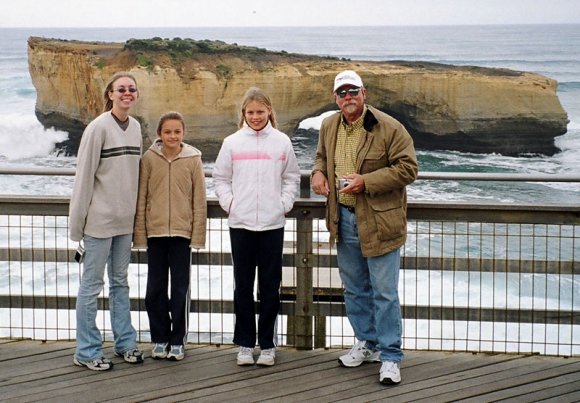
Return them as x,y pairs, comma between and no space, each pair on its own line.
109,88
256,94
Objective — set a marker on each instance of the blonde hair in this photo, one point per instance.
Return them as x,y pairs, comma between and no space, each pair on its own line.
108,102
170,116
256,94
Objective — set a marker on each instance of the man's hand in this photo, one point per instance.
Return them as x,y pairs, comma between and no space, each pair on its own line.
320,184
357,184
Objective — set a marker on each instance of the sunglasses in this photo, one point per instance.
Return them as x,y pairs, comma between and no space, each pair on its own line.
123,90
353,92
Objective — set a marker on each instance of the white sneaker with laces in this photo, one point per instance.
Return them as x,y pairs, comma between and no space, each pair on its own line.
358,354
134,356
390,373
267,357
100,364
246,356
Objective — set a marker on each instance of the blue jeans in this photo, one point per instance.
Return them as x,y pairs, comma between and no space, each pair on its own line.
115,254
370,291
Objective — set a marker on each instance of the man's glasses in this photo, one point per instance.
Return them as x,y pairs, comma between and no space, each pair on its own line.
123,90
353,92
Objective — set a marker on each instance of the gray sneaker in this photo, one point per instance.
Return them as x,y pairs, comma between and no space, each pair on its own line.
159,350
358,354
132,356
176,353
100,364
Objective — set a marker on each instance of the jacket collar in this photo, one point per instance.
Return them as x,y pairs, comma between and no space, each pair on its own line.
370,121
186,149
268,129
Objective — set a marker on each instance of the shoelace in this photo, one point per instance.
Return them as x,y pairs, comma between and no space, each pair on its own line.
358,346
388,367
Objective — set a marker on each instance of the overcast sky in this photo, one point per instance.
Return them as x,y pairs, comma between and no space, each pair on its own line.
218,13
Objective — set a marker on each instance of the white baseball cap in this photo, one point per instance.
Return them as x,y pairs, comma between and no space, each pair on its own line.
347,77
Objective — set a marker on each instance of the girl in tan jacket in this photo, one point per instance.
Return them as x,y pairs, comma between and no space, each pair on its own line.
171,219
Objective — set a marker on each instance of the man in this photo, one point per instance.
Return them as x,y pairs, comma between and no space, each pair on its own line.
364,160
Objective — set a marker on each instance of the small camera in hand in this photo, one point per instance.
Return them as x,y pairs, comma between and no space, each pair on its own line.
342,183
80,253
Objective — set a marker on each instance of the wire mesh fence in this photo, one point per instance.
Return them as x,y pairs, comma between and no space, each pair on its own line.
473,278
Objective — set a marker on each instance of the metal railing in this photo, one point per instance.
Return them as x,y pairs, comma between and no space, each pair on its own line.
474,277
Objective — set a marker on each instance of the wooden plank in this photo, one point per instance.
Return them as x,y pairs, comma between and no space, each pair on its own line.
331,384
326,305
534,391
223,377
462,385
35,371
573,397
288,381
16,349
323,377
419,380
521,377
164,378
65,381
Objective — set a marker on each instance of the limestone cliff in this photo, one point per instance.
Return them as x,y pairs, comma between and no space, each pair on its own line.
444,107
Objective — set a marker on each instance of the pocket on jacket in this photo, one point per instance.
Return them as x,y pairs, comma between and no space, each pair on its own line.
375,159
391,221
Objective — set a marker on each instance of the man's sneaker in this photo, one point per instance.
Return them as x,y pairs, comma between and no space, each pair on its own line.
358,354
389,373
176,353
132,356
267,357
246,356
100,364
159,350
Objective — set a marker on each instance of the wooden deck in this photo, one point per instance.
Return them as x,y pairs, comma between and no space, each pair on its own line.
37,371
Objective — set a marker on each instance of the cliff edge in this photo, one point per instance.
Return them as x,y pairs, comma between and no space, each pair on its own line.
466,108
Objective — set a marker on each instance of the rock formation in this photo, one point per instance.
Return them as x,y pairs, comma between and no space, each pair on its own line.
466,108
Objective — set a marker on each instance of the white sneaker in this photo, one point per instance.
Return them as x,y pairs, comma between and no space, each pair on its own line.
246,356
100,364
358,354
267,357
390,373
134,356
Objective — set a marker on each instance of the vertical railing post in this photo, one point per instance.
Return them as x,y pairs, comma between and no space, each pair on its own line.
302,320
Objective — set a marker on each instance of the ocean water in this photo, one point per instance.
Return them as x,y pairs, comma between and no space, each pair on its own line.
552,50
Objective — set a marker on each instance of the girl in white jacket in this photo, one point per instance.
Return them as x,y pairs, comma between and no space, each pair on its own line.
256,180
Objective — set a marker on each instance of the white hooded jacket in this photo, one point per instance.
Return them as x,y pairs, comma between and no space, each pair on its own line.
256,178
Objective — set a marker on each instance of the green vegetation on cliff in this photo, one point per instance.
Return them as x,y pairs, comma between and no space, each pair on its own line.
180,52
180,48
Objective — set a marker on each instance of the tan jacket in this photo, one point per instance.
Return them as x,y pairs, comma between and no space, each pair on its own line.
386,159
171,199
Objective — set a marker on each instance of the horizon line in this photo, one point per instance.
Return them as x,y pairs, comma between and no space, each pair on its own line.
293,26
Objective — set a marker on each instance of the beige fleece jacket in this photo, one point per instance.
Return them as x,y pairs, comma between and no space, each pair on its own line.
171,200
